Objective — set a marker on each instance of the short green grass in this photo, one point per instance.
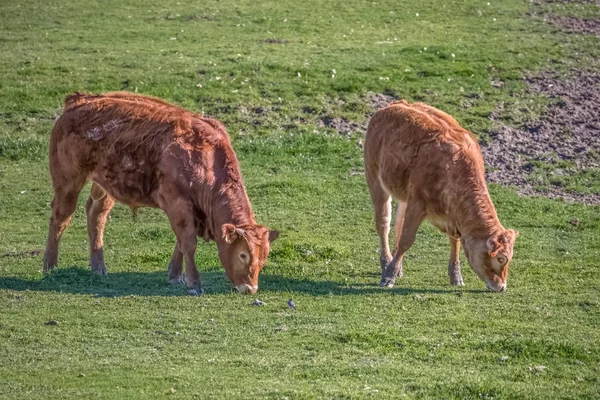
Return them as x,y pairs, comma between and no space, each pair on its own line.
130,335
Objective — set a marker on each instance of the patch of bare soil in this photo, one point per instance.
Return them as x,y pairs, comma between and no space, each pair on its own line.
575,25
379,100
346,127
567,137
342,125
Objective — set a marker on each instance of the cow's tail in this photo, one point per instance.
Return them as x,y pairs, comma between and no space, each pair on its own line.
401,101
77,99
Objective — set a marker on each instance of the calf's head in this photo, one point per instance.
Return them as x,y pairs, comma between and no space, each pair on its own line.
489,258
243,253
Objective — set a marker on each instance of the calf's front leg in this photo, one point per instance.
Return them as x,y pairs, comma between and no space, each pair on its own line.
176,266
409,217
181,217
456,278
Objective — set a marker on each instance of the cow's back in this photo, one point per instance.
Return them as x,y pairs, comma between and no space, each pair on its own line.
417,147
120,141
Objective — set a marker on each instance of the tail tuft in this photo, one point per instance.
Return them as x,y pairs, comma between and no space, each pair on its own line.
78,98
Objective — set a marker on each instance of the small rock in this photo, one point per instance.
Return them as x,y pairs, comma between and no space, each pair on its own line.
574,221
257,302
503,358
51,322
539,368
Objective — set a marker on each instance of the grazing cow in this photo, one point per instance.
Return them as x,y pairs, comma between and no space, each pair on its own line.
425,159
145,152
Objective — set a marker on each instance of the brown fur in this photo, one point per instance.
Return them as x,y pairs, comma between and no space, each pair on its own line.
425,159
143,151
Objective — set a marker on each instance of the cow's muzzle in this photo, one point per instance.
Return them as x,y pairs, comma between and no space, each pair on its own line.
496,287
245,288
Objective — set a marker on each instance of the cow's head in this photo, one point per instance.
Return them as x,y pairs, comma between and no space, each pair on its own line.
243,253
489,258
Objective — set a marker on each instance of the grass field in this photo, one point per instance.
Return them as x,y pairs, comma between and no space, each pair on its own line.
270,71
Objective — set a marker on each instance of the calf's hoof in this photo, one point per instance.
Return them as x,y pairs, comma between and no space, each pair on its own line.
456,280
387,282
178,280
99,270
196,292
48,268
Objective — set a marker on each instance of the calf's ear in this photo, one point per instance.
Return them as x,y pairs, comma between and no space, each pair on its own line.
493,246
273,235
231,233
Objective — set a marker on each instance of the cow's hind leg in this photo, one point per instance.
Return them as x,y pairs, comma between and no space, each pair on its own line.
456,278
97,208
176,266
382,203
63,207
409,217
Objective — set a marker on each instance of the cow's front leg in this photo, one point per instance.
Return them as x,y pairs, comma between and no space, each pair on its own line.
409,217
456,278
382,203
181,217
176,267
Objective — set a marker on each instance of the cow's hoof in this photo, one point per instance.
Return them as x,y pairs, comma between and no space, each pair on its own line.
196,292
177,281
387,282
456,281
99,270
48,268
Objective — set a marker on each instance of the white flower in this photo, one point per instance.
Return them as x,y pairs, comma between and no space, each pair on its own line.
424,48
299,75
417,14
453,55
199,85
218,78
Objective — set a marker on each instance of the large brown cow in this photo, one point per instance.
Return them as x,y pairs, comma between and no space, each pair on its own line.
143,151
425,159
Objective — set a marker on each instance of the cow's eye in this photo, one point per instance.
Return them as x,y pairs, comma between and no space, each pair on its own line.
244,257
501,260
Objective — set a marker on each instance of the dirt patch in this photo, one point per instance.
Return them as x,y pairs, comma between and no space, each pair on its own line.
345,126
379,100
342,125
27,253
276,41
566,140
589,26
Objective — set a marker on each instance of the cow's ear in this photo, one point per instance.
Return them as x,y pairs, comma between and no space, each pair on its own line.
273,235
231,233
493,245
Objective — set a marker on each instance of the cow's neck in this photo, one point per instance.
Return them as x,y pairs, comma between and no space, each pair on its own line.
230,206
473,211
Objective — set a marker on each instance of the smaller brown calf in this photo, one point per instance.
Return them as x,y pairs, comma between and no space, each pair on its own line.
425,159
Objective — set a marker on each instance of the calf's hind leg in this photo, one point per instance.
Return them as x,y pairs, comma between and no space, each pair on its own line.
454,263
382,203
63,207
97,208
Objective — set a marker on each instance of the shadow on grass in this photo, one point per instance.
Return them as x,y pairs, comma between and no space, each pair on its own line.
78,280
